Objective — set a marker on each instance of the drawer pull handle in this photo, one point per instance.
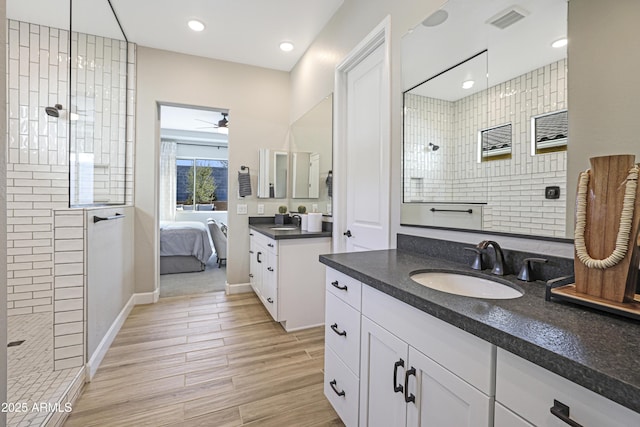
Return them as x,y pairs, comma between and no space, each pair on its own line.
269,268
337,286
250,275
258,257
335,390
397,387
335,329
409,397
270,245
561,411
269,300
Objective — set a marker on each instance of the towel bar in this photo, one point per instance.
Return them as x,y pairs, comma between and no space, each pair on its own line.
108,218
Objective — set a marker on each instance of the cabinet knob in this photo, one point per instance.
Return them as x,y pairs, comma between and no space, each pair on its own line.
561,411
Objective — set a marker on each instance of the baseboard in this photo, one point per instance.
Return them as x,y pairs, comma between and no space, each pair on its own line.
101,351
238,288
300,328
147,297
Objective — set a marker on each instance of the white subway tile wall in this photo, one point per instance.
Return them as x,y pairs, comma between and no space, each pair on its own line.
512,188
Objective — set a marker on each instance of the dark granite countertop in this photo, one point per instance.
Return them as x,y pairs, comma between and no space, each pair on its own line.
268,230
593,349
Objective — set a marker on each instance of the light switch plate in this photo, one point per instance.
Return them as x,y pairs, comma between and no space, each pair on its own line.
242,209
260,209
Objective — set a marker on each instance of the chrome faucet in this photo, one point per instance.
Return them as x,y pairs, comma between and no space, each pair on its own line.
498,265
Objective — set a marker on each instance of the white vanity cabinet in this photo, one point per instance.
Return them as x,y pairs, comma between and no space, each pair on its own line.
419,371
342,345
288,279
526,393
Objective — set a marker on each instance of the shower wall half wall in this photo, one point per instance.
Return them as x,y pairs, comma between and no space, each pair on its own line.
47,240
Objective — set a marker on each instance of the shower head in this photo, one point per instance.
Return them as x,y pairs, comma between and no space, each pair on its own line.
53,111
434,147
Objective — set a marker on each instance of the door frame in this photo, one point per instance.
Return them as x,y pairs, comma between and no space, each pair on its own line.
379,36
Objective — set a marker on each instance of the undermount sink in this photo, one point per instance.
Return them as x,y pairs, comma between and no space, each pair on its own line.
469,286
284,228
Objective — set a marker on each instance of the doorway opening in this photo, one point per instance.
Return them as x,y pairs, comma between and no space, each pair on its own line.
193,195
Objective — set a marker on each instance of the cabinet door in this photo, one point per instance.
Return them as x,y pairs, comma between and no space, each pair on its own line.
257,256
382,372
270,285
440,398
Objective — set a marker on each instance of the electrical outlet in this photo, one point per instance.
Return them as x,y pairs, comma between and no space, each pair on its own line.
261,209
314,207
242,209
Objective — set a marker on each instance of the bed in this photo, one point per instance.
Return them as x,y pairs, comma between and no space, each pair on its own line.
185,247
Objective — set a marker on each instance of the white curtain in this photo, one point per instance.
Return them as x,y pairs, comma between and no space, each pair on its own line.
168,180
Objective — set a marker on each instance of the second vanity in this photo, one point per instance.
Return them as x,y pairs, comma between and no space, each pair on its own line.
398,353
285,274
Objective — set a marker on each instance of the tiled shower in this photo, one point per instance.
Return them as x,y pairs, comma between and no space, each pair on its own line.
46,283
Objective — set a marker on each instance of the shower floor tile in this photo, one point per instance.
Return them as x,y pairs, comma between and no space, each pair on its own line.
31,379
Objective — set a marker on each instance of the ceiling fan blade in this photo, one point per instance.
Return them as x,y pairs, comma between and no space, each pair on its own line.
209,123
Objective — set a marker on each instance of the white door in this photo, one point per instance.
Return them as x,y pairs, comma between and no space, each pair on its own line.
367,155
442,398
362,144
383,365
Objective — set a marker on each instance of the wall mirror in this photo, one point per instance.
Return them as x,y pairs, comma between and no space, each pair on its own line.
273,174
311,157
479,78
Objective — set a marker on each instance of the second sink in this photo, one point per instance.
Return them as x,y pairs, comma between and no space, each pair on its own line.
469,286
284,228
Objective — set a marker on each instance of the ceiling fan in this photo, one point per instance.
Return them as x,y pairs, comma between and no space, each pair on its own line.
223,123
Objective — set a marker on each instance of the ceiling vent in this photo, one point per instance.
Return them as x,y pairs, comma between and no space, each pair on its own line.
507,17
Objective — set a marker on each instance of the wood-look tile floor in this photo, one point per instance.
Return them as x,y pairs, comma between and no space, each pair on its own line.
208,360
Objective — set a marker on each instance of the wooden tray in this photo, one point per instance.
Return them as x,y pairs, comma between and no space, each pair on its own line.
568,292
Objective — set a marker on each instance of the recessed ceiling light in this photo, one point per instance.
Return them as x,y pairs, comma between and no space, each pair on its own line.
559,43
468,84
196,25
286,46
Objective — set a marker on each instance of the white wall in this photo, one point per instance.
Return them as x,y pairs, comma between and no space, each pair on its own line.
604,60
109,270
258,103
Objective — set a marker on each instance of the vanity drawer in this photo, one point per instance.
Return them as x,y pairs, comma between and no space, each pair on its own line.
269,244
503,417
341,387
344,287
530,390
342,331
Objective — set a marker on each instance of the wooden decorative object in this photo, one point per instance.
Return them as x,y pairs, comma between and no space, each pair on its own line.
614,286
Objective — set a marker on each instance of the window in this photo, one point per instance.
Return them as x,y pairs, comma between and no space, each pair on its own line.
549,132
201,184
495,143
